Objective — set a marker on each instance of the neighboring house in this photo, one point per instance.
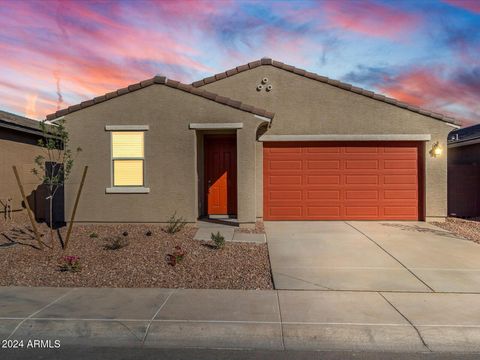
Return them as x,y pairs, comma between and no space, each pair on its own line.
18,146
277,143
464,172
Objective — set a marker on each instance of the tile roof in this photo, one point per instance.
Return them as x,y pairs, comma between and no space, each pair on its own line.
464,134
162,80
20,123
323,79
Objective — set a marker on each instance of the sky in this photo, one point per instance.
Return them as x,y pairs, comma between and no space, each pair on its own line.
56,53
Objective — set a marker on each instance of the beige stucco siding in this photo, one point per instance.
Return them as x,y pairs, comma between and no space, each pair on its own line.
172,164
304,106
19,149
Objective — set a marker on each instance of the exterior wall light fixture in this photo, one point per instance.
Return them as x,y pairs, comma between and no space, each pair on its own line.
436,150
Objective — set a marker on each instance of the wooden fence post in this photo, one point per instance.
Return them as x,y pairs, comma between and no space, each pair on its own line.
72,219
30,215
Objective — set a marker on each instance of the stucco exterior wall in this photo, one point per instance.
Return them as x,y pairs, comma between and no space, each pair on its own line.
19,149
171,156
304,106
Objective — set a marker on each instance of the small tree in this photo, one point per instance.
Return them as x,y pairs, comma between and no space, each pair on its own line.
54,167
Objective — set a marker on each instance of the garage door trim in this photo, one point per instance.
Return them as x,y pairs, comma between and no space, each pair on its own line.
347,137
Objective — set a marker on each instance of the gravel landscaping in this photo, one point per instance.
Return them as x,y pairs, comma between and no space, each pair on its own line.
142,263
468,229
258,229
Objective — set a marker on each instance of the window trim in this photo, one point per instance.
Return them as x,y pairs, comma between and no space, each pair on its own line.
126,189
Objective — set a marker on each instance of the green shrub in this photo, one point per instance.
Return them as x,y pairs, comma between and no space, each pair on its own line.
218,239
93,235
116,242
175,224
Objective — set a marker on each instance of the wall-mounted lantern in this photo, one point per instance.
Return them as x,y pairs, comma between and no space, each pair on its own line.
436,150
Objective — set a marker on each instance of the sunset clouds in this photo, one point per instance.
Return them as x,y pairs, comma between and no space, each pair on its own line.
56,53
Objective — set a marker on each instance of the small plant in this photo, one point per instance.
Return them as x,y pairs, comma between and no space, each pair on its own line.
116,242
177,256
218,239
93,235
148,233
125,233
175,224
70,264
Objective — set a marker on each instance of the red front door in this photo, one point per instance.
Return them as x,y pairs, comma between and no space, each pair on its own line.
221,174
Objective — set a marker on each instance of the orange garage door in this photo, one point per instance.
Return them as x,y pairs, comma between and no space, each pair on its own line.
341,181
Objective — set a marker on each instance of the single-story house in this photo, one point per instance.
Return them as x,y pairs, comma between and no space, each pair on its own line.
464,172
264,140
19,138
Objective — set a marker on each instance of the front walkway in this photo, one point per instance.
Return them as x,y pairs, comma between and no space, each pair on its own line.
371,256
292,320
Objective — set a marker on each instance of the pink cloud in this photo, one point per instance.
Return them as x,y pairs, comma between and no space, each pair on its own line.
427,88
89,52
371,19
470,5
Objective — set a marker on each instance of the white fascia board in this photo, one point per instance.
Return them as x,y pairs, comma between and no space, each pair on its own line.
263,118
215,126
348,137
127,127
453,125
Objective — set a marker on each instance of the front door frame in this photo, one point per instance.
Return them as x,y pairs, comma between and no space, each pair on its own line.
232,193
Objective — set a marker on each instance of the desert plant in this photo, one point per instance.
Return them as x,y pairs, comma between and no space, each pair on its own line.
125,233
54,167
116,242
218,239
177,256
175,224
148,233
69,263
93,235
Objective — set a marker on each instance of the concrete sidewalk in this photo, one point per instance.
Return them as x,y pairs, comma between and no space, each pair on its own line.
277,320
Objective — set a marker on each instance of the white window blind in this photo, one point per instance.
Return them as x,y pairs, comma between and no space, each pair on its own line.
128,158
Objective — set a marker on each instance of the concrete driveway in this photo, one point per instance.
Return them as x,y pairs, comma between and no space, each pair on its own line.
371,256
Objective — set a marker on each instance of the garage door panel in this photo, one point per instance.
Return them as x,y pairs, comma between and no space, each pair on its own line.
362,195
322,164
323,179
355,179
336,181
279,149
285,179
400,194
404,211
361,164
400,164
323,195
400,179
321,150
286,211
401,150
361,150
323,211
285,164
361,211
285,195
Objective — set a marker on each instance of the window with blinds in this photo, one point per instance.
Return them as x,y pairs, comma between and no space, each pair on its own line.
128,158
